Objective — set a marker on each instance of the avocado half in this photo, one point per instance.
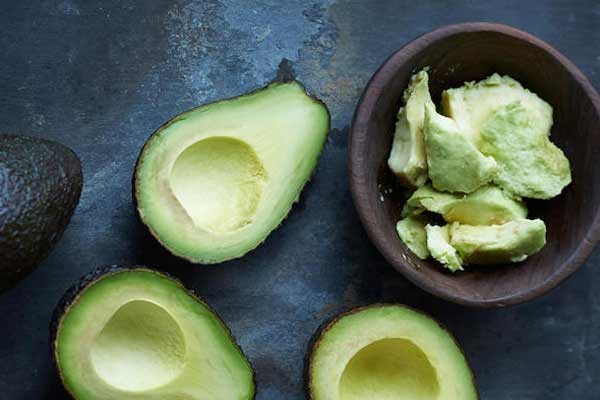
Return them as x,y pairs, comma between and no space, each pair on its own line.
213,182
387,351
133,333
40,185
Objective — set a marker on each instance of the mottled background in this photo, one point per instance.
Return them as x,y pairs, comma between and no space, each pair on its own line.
101,76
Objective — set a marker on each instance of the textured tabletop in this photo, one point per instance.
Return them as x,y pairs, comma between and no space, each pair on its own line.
101,76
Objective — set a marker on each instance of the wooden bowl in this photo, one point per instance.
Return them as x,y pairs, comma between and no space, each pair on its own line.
456,54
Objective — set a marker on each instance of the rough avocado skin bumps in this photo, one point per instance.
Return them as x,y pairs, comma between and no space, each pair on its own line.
40,185
115,307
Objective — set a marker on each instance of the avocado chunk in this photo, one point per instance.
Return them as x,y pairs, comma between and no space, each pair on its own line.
213,182
513,241
488,205
530,164
455,164
384,352
40,185
438,243
137,334
412,232
471,104
407,158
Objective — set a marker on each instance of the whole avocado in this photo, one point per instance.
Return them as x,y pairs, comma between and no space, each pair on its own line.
40,185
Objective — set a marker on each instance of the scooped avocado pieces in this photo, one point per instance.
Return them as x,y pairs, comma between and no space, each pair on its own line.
488,205
385,352
213,182
473,103
137,334
530,164
490,151
455,164
513,241
407,158
40,185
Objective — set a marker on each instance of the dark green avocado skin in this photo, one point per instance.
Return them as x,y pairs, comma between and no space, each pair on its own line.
40,185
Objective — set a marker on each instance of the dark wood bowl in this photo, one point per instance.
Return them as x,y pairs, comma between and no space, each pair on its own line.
456,54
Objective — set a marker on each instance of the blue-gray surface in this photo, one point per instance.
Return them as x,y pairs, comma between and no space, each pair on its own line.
101,76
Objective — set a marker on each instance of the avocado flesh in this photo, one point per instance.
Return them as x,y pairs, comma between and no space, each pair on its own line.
386,352
407,158
454,163
513,241
215,181
472,104
530,164
137,334
488,205
438,243
412,233
40,185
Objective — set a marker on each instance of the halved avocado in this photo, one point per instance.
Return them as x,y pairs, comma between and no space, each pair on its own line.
137,334
387,351
213,182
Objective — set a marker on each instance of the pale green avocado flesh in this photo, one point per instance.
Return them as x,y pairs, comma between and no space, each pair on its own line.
488,205
388,352
490,151
412,232
407,158
472,104
513,241
455,164
136,334
530,164
212,183
438,243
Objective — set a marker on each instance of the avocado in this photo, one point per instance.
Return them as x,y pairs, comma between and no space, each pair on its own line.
133,333
407,158
213,182
488,205
384,352
513,241
530,164
454,163
471,104
438,243
412,233
40,185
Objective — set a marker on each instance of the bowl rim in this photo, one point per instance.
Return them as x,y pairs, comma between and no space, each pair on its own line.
357,170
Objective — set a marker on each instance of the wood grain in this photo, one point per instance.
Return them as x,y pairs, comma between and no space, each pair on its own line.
456,54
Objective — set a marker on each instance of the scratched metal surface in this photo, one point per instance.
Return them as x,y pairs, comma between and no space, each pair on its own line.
101,76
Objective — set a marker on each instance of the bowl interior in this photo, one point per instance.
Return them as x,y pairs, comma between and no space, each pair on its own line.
454,56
